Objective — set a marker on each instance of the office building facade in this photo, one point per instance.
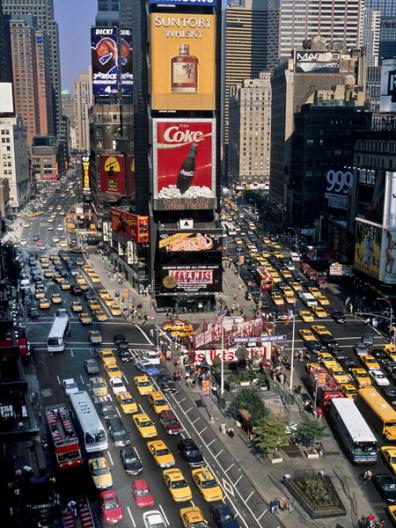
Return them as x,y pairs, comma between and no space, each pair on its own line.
250,131
387,8
82,101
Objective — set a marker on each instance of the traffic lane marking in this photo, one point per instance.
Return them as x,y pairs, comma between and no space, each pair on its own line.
131,517
144,334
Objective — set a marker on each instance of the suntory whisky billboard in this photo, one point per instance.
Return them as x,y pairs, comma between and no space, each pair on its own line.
182,61
184,168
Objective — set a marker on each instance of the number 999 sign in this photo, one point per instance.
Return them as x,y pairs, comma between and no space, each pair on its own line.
339,181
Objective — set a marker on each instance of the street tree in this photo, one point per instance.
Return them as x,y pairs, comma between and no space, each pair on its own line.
250,401
270,435
310,431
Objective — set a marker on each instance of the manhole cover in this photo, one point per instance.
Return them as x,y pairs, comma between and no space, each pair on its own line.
292,451
46,393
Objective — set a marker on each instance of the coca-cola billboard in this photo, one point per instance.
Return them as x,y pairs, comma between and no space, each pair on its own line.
184,164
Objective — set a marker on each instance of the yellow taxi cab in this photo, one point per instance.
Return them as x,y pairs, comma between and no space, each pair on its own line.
297,286
76,307
311,365
307,335
80,280
370,362
390,350
361,377
95,278
55,259
176,326
192,518
39,294
59,208
104,294
44,260
85,318
177,485
277,300
158,402
84,286
275,277
99,386
320,330
115,309
143,385
100,473
266,240
389,455
391,509
107,356
93,305
315,291
56,298
127,403
87,268
323,300
330,362
112,370
100,315
109,301
51,220
349,390
307,316
207,484
48,274
339,375
266,254
144,425
275,245
45,265
65,285
290,298
320,312
161,453
286,274
58,278
44,304
63,244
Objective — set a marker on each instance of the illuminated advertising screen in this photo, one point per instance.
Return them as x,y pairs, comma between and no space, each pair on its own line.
125,51
308,61
189,242
104,60
368,248
190,279
338,186
388,86
112,173
130,226
184,168
189,3
85,174
388,256
183,56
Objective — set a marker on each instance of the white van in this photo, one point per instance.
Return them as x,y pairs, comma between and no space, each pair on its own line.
294,256
309,300
25,284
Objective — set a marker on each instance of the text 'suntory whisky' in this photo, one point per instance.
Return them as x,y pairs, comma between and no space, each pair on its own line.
184,71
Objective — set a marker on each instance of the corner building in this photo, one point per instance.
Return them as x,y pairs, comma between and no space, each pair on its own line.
180,121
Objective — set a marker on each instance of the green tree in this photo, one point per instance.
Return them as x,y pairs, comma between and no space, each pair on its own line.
249,400
309,431
270,434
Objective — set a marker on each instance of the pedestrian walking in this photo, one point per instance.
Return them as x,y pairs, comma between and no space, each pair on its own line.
283,503
223,428
230,432
275,506
72,507
367,476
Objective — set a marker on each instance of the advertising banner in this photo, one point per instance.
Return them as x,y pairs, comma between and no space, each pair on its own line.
231,354
190,279
184,164
130,226
112,173
368,248
189,3
86,187
390,200
307,61
104,60
183,57
388,86
388,256
125,50
338,185
185,242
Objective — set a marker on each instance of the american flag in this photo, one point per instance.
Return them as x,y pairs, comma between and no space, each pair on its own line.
290,316
220,317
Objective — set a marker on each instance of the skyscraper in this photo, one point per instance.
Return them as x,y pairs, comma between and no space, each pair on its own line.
82,101
388,25
43,11
244,36
108,13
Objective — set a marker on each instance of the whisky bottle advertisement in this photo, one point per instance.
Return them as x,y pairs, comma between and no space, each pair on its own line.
184,77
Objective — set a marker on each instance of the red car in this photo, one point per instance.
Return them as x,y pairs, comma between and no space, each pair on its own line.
111,507
142,494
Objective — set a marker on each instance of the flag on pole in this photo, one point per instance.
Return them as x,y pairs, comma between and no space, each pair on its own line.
290,316
220,317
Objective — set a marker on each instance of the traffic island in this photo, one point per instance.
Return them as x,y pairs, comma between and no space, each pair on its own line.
316,494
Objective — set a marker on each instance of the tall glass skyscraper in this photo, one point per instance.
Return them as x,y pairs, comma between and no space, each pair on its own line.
387,7
388,25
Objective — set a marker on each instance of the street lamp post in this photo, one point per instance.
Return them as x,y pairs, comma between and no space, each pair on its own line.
391,316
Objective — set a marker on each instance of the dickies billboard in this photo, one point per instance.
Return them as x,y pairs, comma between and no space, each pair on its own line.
184,164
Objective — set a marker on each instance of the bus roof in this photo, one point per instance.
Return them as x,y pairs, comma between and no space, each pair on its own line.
59,326
376,402
86,413
60,426
353,420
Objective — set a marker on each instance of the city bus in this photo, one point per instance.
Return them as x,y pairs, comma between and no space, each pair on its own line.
58,334
93,432
378,411
64,438
352,431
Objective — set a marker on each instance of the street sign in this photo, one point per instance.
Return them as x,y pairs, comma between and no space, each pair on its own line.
258,339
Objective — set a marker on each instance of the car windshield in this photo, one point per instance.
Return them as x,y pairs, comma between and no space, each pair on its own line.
110,505
172,421
162,452
100,471
144,383
209,484
146,423
390,487
142,492
177,484
160,402
131,459
127,400
192,452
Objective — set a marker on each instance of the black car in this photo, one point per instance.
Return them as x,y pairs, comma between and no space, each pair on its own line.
124,354
166,384
328,340
34,312
380,355
223,516
107,410
386,486
36,238
314,346
118,433
339,353
339,317
118,339
347,363
389,365
76,290
130,460
390,394
190,452
368,340
90,295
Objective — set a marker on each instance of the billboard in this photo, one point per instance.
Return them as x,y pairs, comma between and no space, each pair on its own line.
183,57
190,242
104,60
388,256
6,98
388,86
130,226
308,61
125,53
186,278
130,174
86,187
112,173
368,248
338,185
390,200
207,3
184,164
